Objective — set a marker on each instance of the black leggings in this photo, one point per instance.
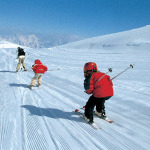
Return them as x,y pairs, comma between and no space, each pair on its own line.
92,102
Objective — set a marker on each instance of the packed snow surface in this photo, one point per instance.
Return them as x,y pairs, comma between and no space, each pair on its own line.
5,44
44,118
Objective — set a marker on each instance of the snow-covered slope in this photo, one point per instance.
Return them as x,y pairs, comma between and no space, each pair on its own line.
135,37
44,118
5,44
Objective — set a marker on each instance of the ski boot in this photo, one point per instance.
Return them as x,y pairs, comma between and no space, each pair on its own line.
24,69
39,85
86,118
30,87
100,114
91,120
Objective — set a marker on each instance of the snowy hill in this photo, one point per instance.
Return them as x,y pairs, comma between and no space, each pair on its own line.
5,44
44,118
135,37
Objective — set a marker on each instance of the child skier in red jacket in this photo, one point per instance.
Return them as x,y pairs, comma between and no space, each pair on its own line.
101,90
39,69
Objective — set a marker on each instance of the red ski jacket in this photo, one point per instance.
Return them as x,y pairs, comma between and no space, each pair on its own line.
100,89
39,67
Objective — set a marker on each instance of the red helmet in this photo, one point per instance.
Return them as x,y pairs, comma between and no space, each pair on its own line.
90,66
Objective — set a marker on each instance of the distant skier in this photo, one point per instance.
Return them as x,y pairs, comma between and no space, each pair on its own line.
39,69
101,90
21,57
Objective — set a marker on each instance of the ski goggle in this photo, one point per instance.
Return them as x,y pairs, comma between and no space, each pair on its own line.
87,71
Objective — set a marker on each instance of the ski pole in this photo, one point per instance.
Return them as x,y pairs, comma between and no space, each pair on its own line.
47,70
131,66
109,70
53,69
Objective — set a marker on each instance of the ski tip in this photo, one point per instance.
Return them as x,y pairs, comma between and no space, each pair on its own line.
109,121
30,87
76,110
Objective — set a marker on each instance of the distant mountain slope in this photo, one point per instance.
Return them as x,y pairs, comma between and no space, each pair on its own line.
38,40
135,37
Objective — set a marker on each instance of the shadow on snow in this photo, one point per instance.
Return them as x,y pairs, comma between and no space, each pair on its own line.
51,112
3,71
19,85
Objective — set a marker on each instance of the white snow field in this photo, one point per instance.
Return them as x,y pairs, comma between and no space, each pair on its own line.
5,44
44,118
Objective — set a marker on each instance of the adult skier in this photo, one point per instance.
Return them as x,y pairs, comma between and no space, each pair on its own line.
39,69
21,57
101,90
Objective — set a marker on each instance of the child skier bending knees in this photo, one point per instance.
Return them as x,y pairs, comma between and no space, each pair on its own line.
101,90
39,69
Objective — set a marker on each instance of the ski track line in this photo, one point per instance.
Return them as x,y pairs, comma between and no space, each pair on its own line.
130,122
68,94
2,123
23,133
66,85
125,142
3,128
6,120
135,116
141,89
124,118
122,128
33,128
18,126
4,59
63,99
140,98
63,82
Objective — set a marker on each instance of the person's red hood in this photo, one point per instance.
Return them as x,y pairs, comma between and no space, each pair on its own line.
37,61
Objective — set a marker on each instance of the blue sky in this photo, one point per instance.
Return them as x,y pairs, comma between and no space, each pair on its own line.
87,18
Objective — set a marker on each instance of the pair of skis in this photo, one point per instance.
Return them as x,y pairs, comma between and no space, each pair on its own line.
106,119
94,124
81,115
